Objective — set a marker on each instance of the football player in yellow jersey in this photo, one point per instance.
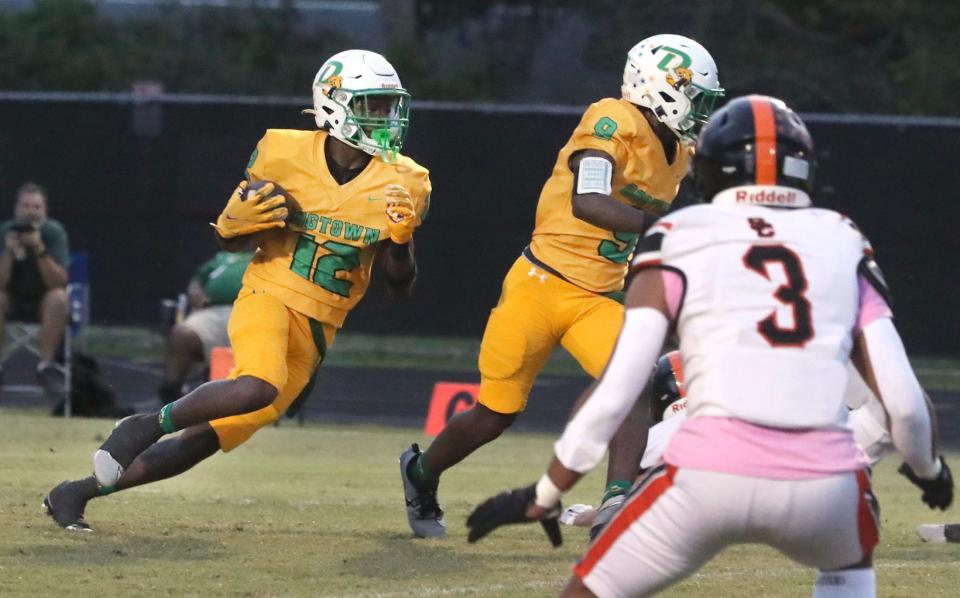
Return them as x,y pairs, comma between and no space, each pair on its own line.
347,196
620,170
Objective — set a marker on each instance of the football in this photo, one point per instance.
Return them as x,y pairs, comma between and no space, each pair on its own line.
256,185
294,217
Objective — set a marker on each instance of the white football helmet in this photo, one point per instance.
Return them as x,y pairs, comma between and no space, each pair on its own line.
358,98
676,78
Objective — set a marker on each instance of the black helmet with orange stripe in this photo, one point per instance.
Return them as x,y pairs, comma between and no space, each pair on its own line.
668,395
756,141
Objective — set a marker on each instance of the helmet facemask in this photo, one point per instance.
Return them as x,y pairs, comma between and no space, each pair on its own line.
376,119
702,101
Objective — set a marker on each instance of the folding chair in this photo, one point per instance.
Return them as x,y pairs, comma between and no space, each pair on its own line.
26,335
20,335
78,316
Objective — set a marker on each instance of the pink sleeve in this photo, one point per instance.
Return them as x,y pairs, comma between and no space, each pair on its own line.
673,289
872,305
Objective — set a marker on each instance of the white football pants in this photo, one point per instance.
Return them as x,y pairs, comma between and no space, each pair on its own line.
678,519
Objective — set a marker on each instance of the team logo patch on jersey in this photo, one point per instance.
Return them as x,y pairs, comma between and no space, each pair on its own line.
605,128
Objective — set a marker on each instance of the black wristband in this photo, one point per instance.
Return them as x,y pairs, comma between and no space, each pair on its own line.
43,253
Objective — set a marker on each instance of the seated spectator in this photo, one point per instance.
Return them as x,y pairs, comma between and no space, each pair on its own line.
33,276
210,294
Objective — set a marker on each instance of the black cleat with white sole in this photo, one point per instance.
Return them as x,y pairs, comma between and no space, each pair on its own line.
65,504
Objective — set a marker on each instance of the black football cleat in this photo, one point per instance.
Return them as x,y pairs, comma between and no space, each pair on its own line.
65,504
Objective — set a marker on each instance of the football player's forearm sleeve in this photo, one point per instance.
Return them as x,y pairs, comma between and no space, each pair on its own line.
910,426
585,439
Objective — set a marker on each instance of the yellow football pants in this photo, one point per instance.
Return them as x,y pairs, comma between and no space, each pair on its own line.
536,311
277,345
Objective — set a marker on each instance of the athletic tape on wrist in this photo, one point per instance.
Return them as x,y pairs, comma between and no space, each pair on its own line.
548,495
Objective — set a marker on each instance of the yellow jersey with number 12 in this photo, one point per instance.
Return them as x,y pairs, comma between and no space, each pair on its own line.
319,264
588,256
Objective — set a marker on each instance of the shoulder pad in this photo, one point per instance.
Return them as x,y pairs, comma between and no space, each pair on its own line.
870,271
607,118
405,164
275,147
415,177
282,139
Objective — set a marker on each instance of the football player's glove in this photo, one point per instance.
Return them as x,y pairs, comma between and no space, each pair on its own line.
938,492
511,507
252,211
401,216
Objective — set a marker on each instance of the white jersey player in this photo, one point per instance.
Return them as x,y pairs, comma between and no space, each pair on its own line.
668,411
763,288
668,403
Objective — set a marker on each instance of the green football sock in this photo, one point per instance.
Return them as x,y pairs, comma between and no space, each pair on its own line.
615,488
166,419
420,475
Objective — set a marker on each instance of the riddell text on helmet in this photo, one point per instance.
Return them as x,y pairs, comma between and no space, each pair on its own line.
766,197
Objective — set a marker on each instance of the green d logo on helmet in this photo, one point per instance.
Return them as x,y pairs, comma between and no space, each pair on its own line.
668,61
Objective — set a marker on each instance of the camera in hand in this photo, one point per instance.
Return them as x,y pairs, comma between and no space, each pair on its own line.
23,227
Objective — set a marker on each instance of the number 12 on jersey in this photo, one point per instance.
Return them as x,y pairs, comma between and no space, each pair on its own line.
340,257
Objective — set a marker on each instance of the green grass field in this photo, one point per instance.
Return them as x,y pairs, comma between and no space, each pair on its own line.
317,511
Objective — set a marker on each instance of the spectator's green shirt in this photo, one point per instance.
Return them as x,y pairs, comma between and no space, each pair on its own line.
222,276
25,278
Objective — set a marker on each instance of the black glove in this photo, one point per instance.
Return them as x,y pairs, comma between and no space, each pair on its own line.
938,492
511,507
